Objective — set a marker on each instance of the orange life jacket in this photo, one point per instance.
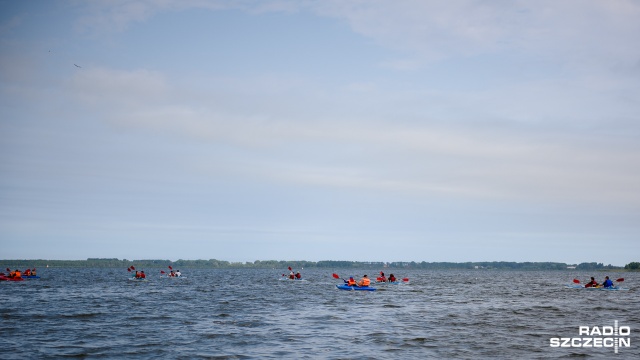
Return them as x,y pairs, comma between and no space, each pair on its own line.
17,274
351,282
365,282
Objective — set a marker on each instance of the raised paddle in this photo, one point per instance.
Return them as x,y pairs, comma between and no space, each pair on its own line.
336,276
161,271
129,269
576,281
620,280
405,279
170,268
132,267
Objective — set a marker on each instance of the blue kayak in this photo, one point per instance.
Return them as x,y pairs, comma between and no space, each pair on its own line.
356,288
614,288
30,277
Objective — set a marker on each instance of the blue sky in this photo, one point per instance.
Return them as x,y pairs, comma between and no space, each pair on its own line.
330,130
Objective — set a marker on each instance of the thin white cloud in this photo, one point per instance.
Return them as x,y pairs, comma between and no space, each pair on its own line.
390,156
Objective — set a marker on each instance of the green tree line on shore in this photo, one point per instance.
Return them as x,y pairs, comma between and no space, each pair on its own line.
297,264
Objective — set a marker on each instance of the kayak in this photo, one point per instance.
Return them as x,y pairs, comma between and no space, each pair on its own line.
388,282
357,288
138,279
4,278
173,277
30,277
294,280
614,288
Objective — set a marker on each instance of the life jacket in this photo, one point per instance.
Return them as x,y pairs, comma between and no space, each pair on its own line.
298,276
142,276
392,279
351,282
365,282
17,274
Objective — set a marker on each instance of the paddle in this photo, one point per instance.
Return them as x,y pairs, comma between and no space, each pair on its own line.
405,279
170,268
129,269
132,267
576,281
620,280
161,271
336,276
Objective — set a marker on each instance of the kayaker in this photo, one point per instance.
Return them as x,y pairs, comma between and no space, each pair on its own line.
142,275
392,278
27,272
592,283
351,282
178,273
137,276
298,276
607,282
33,272
17,274
365,281
292,276
172,273
382,278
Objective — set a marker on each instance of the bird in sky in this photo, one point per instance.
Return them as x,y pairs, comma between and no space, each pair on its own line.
78,66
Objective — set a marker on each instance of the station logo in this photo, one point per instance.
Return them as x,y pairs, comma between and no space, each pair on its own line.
597,337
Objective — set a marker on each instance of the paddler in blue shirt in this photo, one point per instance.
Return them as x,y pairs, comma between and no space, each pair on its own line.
607,282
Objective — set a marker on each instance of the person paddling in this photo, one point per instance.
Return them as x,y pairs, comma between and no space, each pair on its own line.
392,278
607,282
298,276
365,281
592,283
351,282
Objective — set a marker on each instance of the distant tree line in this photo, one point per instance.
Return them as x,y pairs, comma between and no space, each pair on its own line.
297,264
633,266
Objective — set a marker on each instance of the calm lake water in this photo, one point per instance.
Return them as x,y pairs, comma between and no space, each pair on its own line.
251,314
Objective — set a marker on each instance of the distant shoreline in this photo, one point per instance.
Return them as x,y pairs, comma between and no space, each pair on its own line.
281,264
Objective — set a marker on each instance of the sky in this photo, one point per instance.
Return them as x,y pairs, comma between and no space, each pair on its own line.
320,130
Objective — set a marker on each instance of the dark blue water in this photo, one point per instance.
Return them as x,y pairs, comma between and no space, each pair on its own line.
247,314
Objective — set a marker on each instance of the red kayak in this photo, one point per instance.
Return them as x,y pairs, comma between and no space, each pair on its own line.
4,278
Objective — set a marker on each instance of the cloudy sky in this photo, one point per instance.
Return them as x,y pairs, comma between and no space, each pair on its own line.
320,130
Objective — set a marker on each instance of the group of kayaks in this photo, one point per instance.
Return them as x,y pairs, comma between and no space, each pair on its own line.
18,275
140,275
